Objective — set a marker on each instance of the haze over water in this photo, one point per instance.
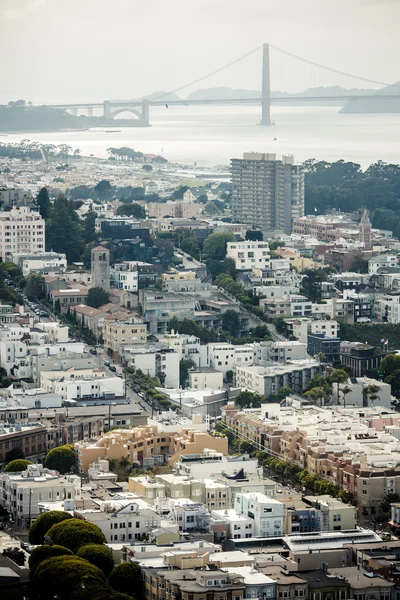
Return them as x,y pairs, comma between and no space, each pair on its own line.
211,135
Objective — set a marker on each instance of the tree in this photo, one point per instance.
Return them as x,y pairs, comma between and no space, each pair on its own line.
43,523
370,392
215,245
316,393
184,365
132,210
80,192
43,202
89,227
75,533
178,194
191,246
231,322
338,377
311,282
125,578
58,576
389,364
61,459
104,190
281,394
254,236
14,453
147,168
97,297
345,390
64,231
18,465
229,375
248,399
98,555
394,381
41,553
35,289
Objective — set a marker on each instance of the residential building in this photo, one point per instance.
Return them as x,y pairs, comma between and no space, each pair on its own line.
118,333
320,345
11,197
74,386
30,437
248,254
334,514
156,362
22,492
148,446
387,308
268,380
301,328
267,193
381,261
206,378
21,231
280,351
267,514
40,262
122,519
124,278
69,296
188,584
356,396
326,228
187,346
158,308
174,210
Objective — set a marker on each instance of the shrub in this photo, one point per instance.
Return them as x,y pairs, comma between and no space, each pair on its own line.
41,553
125,578
98,555
15,466
60,575
61,459
75,533
43,523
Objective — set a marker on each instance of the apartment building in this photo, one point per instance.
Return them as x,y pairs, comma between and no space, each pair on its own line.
40,262
267,193
10,197
327,348
323,227
21,230
187,346
265,381
148,446
154,361
224,356
175,210
358,451
69,296
205,378
301,328
281,351
21,493
30,437
387,308
267,514
124,278
117,334
188,584
124,519
248,255
158,308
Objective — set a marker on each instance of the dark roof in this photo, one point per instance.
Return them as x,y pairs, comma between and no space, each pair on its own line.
317,579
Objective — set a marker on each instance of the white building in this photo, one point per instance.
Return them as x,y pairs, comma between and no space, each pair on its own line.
123,277
300,306
267,513
214,463
154,361
187,346
356,397
382,260
206,378
265,381
224,356
302,328
240,525
43,262
248,255
123,519
21,493
77,387
279,351
387,309
21,230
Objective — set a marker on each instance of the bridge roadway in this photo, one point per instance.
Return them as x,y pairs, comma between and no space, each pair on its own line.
216,101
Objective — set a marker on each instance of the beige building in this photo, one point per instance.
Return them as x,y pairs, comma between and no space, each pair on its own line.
175,210
21,231
118,333
205,378
148,446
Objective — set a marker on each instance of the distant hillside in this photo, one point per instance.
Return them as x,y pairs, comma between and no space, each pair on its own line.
371,105
160,96
225,93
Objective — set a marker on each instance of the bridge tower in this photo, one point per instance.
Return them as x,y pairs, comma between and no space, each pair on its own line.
266,89
107,109
146,113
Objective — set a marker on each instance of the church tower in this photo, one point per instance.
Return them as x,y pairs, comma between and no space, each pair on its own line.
100,268
365,230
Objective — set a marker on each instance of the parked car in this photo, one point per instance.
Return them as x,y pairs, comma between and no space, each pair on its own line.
106,364
93,351
113,369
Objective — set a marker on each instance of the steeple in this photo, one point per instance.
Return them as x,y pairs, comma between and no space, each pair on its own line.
365,230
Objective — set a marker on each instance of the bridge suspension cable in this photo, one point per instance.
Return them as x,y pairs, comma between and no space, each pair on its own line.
233,62
310,62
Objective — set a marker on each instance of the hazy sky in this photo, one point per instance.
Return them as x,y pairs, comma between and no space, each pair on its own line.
54,50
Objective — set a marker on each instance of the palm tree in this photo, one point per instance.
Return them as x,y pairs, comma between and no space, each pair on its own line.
339,376
370,392
345,390
124,463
